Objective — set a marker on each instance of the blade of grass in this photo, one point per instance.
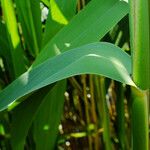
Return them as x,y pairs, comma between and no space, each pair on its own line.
107,5
3,40
61,12
15,49
68,7
45,139
48,118
120,120
29,14
5,50
45,2
73,28
25,112
87,59
89,10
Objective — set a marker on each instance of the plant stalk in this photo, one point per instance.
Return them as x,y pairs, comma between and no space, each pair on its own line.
139,120
120,115
105,116
140,42
140,49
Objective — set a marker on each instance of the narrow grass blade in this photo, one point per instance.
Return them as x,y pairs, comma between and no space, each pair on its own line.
45,2
15,49
90,58
29,14
3,40
48,118
120,120
72,29
46,126
25,112
60,13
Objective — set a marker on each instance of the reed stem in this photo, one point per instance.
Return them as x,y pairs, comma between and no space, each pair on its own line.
120,115
140,48
139,120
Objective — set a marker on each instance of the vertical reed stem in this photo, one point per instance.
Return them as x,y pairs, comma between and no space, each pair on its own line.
139,120
120,115
93,111
105,116
140,46
86,109
140,42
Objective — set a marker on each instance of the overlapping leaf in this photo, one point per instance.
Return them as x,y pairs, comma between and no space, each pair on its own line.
90,25
97,11
14,54
30,19
28,110
60,13
97,58
48,118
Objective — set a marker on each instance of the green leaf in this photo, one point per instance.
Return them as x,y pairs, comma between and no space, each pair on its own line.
5,52
46,126
48,118
90,25
97,11
95,35
30,17
46,2
60,13
67,7
98,58
25,112
15,51
3,40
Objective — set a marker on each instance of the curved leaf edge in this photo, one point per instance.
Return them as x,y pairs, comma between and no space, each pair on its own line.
82,60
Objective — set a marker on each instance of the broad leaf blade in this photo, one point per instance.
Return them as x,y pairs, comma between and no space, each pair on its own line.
97,58
102,16
46,126
60,13
96,10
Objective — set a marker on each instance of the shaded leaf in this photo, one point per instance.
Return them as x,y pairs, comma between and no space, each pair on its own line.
48,118
60,13
25,112
97,58
15,51
30,17
102,16
46,126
